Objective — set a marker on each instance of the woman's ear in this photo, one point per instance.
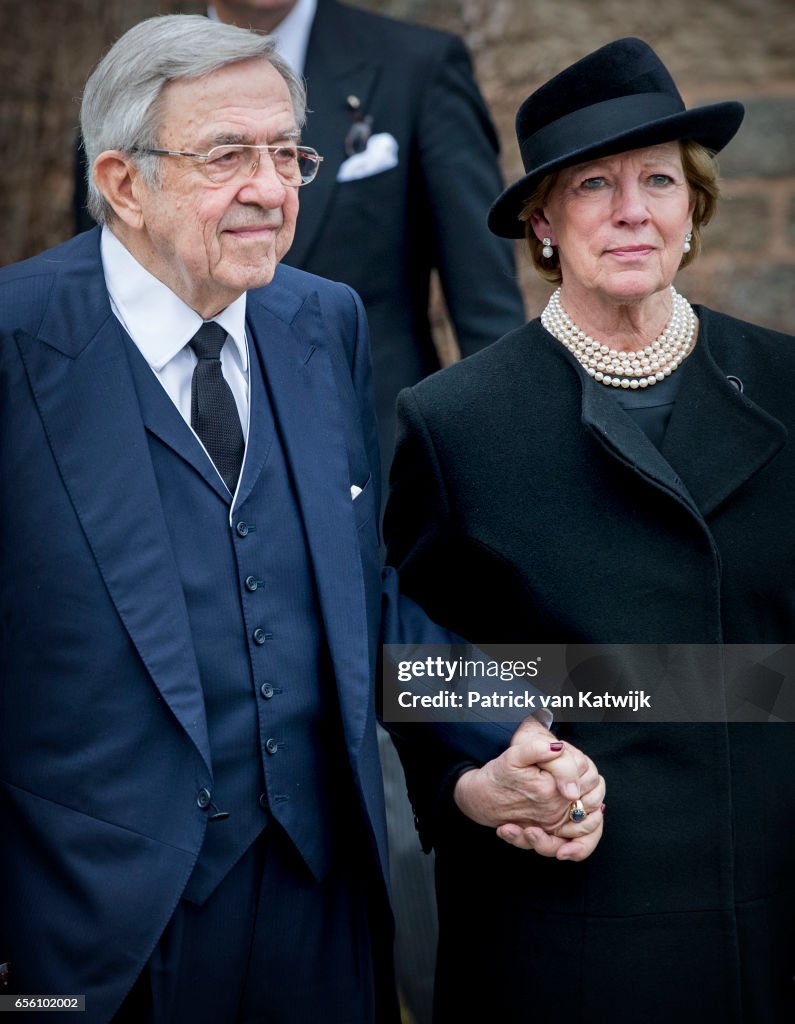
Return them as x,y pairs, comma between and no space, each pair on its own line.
542,228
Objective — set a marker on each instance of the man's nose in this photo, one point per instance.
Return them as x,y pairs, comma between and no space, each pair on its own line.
264,184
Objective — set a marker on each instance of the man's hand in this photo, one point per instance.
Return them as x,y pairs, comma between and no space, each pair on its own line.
526,794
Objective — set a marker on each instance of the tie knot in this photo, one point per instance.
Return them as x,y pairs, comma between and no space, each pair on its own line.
208,341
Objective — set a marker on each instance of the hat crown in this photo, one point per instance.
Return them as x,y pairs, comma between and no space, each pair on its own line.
623,68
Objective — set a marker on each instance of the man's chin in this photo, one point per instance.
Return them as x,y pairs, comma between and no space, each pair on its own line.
254,275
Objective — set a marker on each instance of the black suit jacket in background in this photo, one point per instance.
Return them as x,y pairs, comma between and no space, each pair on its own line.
385,234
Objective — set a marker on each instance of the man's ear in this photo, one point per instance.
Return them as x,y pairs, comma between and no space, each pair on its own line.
119,180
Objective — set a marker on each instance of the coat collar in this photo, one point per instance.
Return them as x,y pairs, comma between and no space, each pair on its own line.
622,438
717,439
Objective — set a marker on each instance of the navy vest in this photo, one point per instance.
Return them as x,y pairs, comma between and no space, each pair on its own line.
269,692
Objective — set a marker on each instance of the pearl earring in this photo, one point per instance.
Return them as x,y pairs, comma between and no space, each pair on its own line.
688,238
547,252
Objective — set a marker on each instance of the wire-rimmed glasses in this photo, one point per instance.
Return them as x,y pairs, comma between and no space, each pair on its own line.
294,165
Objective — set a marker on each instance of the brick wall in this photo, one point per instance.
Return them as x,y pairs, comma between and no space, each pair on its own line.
716,49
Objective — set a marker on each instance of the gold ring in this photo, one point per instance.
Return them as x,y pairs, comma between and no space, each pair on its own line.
577,812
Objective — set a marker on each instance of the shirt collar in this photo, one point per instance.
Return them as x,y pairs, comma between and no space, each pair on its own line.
291,34
157,319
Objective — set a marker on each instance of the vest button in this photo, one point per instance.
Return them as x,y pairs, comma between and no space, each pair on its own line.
271,745
252,583
204,799
260,636
266,690
262,800
242,529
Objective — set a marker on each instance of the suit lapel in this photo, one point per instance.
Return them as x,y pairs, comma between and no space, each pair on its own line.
261,427
162,419
307,409
332,75
80,377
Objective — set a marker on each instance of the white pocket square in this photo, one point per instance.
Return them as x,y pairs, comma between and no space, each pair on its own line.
355,492
380,154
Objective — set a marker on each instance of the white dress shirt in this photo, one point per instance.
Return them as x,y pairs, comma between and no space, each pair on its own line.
291,34
161,325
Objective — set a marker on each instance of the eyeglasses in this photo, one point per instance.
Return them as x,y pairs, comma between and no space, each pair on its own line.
294,165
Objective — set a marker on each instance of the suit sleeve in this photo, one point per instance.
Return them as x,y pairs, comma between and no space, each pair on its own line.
458,152
362,376
422,546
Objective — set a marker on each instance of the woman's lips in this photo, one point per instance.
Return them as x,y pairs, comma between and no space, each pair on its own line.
631,250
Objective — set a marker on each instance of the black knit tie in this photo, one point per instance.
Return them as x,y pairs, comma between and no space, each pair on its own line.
213,413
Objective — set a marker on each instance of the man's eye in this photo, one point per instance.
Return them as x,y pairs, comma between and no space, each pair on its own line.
285,154
224,157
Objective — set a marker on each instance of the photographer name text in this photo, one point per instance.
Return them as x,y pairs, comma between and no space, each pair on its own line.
524,700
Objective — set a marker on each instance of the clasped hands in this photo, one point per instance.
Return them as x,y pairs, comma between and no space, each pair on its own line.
526,795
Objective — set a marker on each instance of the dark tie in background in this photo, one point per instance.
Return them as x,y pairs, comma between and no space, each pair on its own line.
213,412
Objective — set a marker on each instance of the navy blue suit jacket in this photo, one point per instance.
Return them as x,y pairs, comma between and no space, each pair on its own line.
103,736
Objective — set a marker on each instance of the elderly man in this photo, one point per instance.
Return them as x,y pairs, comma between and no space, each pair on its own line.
188,751
383,219
190,798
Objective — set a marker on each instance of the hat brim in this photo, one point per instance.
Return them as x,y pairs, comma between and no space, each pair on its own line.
713,126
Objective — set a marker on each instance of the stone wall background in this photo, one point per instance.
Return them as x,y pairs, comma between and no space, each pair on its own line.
715,49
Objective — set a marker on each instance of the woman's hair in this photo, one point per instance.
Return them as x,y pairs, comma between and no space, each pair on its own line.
701,174
122,100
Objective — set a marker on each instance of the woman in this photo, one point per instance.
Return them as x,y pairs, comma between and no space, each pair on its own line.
616,472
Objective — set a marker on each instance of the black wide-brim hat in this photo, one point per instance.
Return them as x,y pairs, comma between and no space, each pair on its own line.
618,98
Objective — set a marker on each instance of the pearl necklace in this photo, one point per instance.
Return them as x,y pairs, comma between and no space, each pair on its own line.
620,368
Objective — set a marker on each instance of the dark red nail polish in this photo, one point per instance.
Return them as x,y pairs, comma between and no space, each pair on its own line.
603,808
556,746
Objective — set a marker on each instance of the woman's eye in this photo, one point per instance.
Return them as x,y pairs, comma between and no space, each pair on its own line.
592,183
661,179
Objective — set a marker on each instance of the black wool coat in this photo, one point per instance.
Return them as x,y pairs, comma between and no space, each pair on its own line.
526,506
